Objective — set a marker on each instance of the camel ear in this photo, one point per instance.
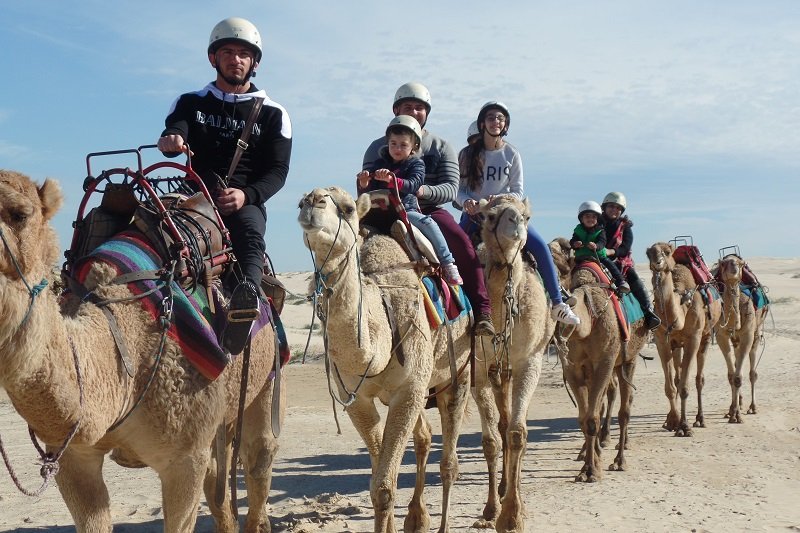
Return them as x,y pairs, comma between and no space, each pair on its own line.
528,209
363,204
483,203
52,198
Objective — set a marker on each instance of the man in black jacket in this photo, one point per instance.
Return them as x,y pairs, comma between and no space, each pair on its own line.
211,122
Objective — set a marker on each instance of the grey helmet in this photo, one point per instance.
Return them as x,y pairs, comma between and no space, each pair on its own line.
500,106
413,91
473,130
238,30
589,206
615,198
405,122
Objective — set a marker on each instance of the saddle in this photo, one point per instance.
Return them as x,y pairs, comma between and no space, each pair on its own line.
603,278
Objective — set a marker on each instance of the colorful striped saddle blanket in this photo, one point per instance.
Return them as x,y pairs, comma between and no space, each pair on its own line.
193,326
624,319
443,302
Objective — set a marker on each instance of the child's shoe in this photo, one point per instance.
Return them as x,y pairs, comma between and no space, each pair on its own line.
451,274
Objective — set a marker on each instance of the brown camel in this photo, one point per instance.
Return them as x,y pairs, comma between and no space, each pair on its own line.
59,365
369,364
739,333
506,379
684,334
597,357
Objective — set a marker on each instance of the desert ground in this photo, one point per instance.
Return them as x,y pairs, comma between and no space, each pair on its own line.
727,477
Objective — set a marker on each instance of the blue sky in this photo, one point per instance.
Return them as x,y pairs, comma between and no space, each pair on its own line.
691,108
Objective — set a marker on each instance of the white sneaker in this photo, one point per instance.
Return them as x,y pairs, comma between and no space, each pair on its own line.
563,313
451,274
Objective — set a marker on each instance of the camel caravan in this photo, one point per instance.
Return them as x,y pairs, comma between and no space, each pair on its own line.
127,361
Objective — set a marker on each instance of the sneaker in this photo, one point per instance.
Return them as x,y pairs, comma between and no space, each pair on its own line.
624,288
651,320
451,275
564,313
484,326
243,310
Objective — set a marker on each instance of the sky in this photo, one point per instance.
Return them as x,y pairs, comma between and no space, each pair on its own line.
691,108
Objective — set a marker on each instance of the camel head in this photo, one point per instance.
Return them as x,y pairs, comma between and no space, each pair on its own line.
563,257
27,237
329,220
730,269
660,257
505,226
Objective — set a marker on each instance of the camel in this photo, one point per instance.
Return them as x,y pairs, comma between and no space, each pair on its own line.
738,333
598,362
356,275
60,368
506,380
684,334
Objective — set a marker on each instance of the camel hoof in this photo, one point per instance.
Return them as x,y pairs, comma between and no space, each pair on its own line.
417,523
699,423
752,410
683,432
584,477
735,419
617,467
483,524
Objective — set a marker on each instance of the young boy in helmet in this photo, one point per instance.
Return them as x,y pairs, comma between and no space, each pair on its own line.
441,184
619,240
211,121
490,167
400,166
589,241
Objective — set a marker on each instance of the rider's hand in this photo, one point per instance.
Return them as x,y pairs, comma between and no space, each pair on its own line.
470,206
172,145
592,246
610,252
229,200
577,244
363,178
384,174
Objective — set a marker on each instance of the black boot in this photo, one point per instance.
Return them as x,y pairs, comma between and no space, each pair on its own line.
243,310
651,320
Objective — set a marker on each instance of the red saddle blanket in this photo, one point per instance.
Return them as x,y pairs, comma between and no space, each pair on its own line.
601,276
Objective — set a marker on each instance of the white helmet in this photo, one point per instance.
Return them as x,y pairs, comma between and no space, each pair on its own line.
472,130
408,123
413,91
589,206
500,106
616,198
235,29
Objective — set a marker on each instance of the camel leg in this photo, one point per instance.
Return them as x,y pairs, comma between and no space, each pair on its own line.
611,397
258,450
404,410
181,481
724,342
670,382
501,387
418,518
624,416
224,521
753,375
452,403
689,354
490,440
80,481
700,380
525,378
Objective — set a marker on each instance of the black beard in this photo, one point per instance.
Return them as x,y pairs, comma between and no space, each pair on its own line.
234,81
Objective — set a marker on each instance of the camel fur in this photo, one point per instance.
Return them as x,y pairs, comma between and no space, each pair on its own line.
506,376
354,274
598,363
172,428
738,334
684,335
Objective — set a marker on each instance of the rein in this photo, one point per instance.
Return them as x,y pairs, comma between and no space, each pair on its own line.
49,460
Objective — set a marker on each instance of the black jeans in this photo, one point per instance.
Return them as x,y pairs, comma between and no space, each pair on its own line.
247,227
638,290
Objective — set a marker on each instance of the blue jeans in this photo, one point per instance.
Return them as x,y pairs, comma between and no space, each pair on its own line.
428,227
538,248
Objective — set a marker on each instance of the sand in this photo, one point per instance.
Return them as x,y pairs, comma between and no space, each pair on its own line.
727,477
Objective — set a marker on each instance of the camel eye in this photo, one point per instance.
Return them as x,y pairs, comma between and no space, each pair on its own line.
18,216
491,217
349,209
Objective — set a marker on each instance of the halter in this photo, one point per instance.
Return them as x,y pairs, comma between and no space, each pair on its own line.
49,460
